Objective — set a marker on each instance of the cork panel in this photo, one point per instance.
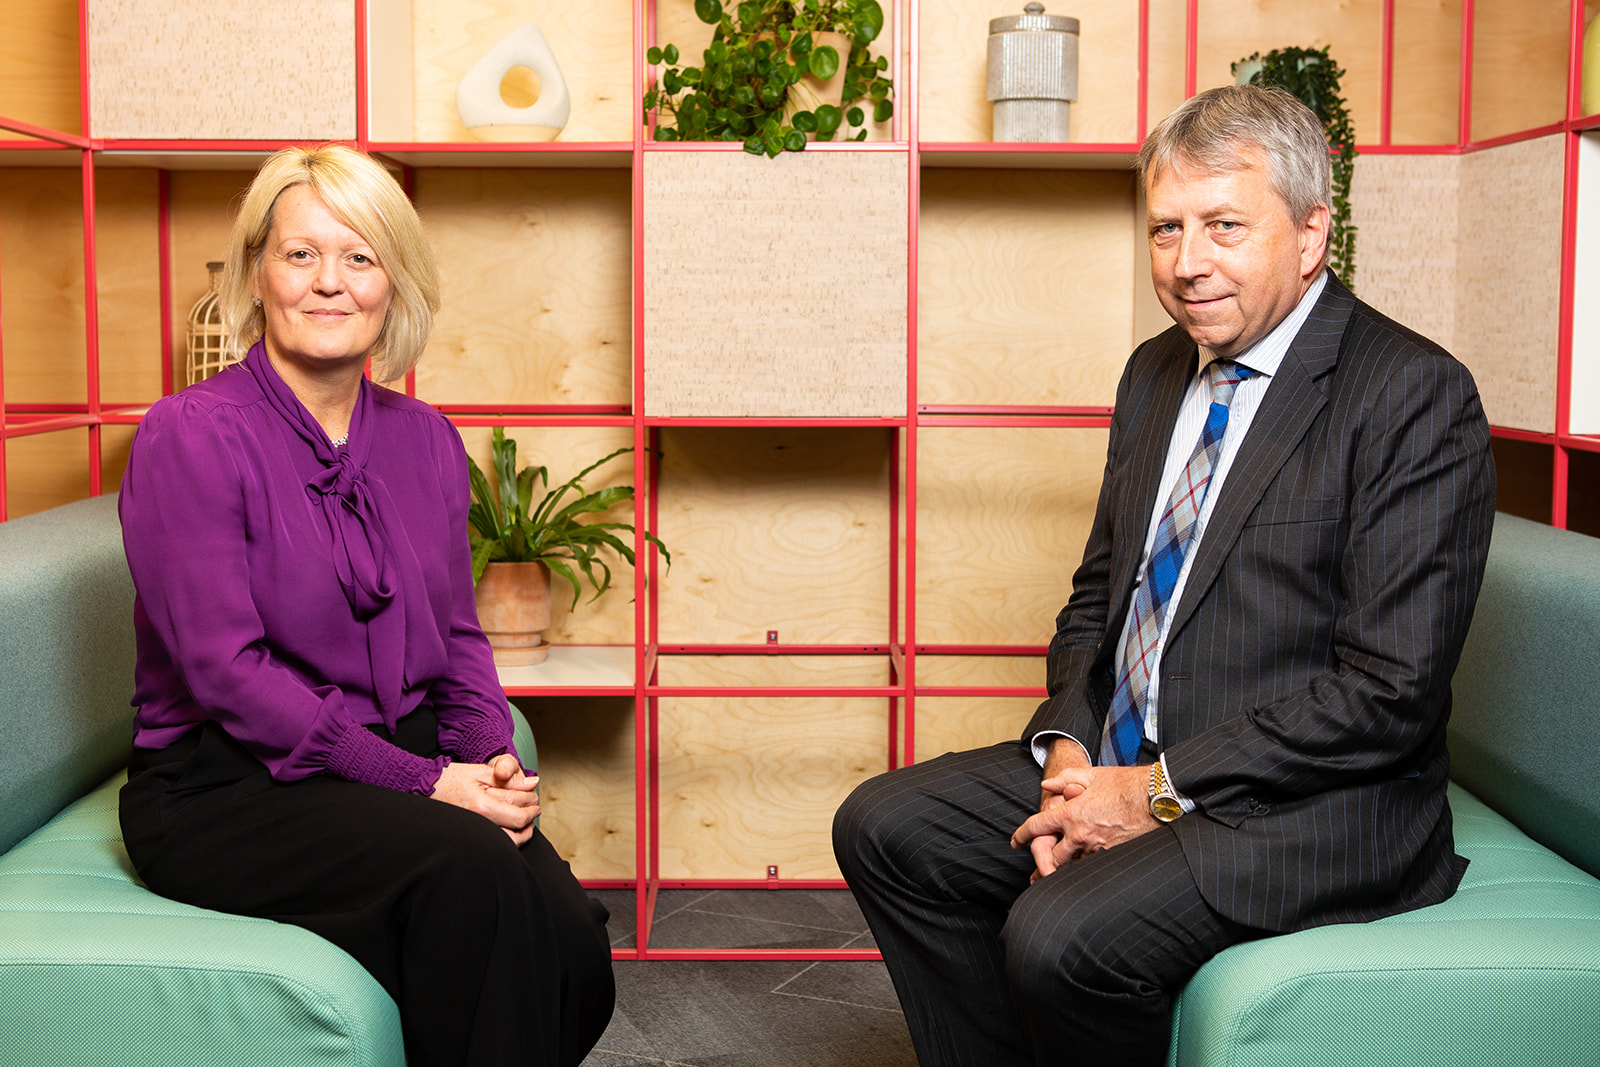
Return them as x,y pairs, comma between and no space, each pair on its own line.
564,451
535,268
1002,517
1408,246
1519,65
39,65
1025,286
41,280
1232,29
957,724
782,529
592,44
1426,105
1509,278
202,205
775,287
46,470
954,65
222,69
747,782
1585,389
127,244
586,771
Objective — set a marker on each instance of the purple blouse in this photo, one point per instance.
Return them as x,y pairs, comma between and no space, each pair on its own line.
294,592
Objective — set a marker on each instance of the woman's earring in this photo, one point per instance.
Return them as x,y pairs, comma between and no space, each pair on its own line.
256,300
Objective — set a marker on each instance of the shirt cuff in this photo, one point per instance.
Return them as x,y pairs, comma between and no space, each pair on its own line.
362,756
1041,742
481,739
1184,802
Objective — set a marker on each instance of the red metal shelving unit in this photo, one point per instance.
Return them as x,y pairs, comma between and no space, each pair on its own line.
899,648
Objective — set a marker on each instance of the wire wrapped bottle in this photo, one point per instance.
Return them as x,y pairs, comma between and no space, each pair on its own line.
205,330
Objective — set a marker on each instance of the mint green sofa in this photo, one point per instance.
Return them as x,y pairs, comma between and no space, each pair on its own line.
1506,972
95,968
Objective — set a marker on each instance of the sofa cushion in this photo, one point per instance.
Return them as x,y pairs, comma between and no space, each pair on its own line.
164,983
1527,692
1505,972
66,654
96,969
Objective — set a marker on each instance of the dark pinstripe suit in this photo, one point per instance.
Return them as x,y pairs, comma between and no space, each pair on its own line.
1304,693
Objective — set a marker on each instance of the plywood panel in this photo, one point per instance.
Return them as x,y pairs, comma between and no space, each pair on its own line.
1232,29
222,69
956,724
115,443
1002,517
536,269
1519,65
1426,105
1407,257
39,65
586,767
747,783
773,670
41,282
1508,281
127,243
954,60
1168,57
46,470
676,24
1025,286
202,206
775,287
971,670
781,529
565,451
592,44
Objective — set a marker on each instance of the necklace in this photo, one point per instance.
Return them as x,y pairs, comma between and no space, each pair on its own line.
342,441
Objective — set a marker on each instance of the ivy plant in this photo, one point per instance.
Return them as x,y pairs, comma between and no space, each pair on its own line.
1313,77
747,86
509,526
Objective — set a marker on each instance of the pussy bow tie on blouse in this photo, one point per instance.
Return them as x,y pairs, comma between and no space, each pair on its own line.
381,584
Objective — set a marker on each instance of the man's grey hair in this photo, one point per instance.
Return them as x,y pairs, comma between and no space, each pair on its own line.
1220,128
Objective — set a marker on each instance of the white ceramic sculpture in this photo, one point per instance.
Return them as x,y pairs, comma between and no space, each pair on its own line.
488,117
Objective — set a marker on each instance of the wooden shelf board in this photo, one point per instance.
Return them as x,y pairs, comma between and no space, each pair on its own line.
1066,156
596,154
570,667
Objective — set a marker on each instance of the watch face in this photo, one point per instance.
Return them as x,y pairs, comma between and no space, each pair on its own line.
1165,808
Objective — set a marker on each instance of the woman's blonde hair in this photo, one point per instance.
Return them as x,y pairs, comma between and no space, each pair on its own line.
363,196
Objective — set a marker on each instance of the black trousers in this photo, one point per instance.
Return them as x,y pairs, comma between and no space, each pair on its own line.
494,953
1079,968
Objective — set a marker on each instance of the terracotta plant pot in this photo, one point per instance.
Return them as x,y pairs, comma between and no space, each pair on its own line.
513,607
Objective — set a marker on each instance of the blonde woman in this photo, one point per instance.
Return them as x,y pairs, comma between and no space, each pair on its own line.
321,737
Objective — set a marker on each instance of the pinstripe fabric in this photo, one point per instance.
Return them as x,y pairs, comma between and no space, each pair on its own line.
1304,694
1305,679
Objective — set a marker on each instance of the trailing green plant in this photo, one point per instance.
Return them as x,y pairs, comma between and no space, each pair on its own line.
1313,77
748,85
508,526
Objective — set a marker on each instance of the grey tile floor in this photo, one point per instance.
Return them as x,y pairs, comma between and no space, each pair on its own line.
733,1013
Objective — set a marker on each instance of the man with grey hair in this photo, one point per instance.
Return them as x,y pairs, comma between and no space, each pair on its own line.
1248,688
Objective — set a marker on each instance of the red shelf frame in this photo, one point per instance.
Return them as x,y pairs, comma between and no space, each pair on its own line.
899,648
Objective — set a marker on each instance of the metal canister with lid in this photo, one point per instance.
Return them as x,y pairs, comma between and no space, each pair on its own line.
1033,75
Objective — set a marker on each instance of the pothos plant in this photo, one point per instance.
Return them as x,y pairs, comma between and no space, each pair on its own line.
1313,77
748,85
508,526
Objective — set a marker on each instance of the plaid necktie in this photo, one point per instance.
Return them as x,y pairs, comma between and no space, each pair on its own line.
1124,729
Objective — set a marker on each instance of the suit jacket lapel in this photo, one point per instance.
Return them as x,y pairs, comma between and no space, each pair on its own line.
1146,452
1292,401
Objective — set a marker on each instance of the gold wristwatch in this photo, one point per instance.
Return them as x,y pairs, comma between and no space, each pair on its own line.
1164,805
